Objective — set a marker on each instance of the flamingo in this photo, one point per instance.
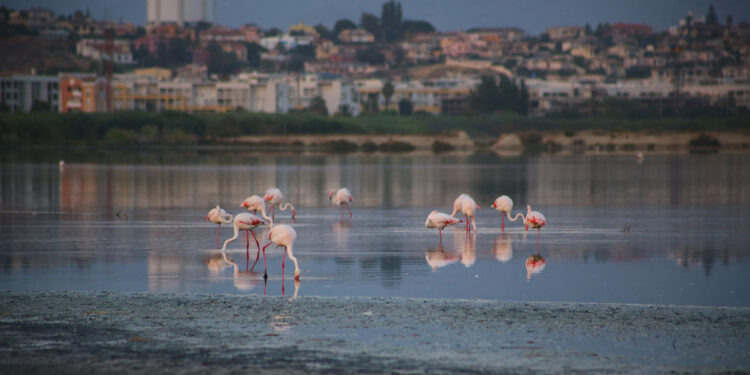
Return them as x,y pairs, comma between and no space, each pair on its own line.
218,216
467,206
274,197
255,203
503,248
440,220
247,222
504,204
341,198
536,220
282,235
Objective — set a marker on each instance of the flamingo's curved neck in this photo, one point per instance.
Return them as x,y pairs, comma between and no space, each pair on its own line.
236,269
455,209
226,219
263,213
236,234
284,206
293,258
514,218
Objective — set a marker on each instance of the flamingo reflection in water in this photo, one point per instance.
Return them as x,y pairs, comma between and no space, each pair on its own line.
503,248
504,204
440,220
467,206
467,247
275,197
341,197
243,280
534,264
217,215
437,258
247,222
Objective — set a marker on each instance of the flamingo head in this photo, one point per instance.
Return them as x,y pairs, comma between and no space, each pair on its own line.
351,199
293,213
330,194
206,218
494,204
268,197
478,207
244,204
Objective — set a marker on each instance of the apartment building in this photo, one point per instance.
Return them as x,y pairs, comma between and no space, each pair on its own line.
19,93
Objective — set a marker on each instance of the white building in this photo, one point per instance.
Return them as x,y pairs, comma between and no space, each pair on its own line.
180,11
20,92
96,49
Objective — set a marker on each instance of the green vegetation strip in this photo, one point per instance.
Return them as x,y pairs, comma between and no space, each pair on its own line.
185,128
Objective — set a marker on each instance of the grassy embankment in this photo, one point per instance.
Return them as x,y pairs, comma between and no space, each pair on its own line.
150,129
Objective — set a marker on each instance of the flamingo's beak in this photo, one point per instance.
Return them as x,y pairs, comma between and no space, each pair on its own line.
205,218
268,197
494,205
244,204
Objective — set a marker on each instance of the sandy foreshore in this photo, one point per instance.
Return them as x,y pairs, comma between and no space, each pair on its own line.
113,332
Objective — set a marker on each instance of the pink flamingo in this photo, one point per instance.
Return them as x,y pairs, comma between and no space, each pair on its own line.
282,235
467,206
255,203
440,220
342,198
536,220
247,222
218,216
504,204
274,197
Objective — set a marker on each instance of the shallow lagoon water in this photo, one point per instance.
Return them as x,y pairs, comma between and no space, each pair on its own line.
138,226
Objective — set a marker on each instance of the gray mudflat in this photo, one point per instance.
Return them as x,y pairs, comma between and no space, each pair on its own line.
109,332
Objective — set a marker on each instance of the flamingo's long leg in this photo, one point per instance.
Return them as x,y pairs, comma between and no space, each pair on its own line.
258,254
265,269
342,212
538,234
247,249
350,210
283,259
502,224
217,236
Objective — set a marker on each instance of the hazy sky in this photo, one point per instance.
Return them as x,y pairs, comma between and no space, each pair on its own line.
531,15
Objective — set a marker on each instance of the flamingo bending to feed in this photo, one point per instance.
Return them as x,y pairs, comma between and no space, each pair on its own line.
342,198
274,197
282,235
504,204
467,206
536,220
247,222
255,203
218,216
440,220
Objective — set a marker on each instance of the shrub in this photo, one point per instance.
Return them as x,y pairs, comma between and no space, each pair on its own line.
369,147
340,146
397,146
438,147
704,140
120,136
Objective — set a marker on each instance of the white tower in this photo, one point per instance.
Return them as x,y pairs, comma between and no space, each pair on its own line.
180,11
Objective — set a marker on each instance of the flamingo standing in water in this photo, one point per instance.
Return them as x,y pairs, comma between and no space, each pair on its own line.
274,197
282,235
536,220
342,198
504,204
218,216
440,220
467,206
255,203
247,222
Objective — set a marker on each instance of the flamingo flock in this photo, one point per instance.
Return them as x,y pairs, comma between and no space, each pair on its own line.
283,235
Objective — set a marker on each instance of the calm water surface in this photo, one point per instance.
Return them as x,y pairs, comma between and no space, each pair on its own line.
137,225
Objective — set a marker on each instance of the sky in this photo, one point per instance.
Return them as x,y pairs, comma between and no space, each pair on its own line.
446,15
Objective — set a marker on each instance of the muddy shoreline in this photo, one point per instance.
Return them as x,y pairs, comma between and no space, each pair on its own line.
106,332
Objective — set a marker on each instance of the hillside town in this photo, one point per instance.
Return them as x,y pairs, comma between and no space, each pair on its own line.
181,60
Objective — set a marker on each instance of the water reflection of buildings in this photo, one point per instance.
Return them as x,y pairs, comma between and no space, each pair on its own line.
384,181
